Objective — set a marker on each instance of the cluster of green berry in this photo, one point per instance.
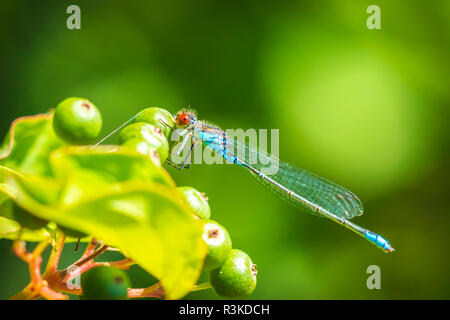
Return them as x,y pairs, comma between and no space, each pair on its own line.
78,121
232,273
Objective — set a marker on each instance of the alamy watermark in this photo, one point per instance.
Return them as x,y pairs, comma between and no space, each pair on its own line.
374,280
74,20
231,146
74,282
374,20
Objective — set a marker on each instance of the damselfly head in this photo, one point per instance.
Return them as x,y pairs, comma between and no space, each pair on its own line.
184,119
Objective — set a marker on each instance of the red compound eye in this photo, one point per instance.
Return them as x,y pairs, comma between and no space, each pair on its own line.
183,119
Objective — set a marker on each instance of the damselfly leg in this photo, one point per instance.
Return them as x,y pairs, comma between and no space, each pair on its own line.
184,164
165,124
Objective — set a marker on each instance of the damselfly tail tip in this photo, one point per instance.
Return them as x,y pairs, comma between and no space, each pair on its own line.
390,249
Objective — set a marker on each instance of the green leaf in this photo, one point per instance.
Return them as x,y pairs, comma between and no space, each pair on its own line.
28,144
4,192
125,208
153,230
43,188
35,235
108,164
29,235
113,193
144,221
85,171
8,226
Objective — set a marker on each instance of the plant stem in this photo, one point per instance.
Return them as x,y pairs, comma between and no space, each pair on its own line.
154,291
52,283
120,264
53,261
201,286
38,287
90,248
83,264
94,254
25,294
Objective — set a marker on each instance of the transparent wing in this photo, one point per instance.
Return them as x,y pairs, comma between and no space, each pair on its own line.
315,189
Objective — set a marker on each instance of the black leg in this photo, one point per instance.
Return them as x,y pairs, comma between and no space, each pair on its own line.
187,157
177,166
183,165
172,164
164,123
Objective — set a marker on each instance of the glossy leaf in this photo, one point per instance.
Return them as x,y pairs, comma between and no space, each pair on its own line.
144,221
28,144
113,193
8,226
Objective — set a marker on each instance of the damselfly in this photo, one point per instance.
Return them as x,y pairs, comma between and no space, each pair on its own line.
299,187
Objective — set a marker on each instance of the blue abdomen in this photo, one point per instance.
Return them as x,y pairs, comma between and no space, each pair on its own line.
215,142
378,240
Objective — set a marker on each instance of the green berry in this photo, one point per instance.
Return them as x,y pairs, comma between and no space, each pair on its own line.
77,121
158,117
218,241
105,283
197,201
151,134
25,218
236,277
72,233
145,148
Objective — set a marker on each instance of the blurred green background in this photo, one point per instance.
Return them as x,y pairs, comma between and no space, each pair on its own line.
368,109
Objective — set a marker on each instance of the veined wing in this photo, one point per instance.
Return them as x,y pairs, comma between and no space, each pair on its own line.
298,186
312,190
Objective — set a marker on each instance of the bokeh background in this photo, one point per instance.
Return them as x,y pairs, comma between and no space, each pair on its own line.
368,109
